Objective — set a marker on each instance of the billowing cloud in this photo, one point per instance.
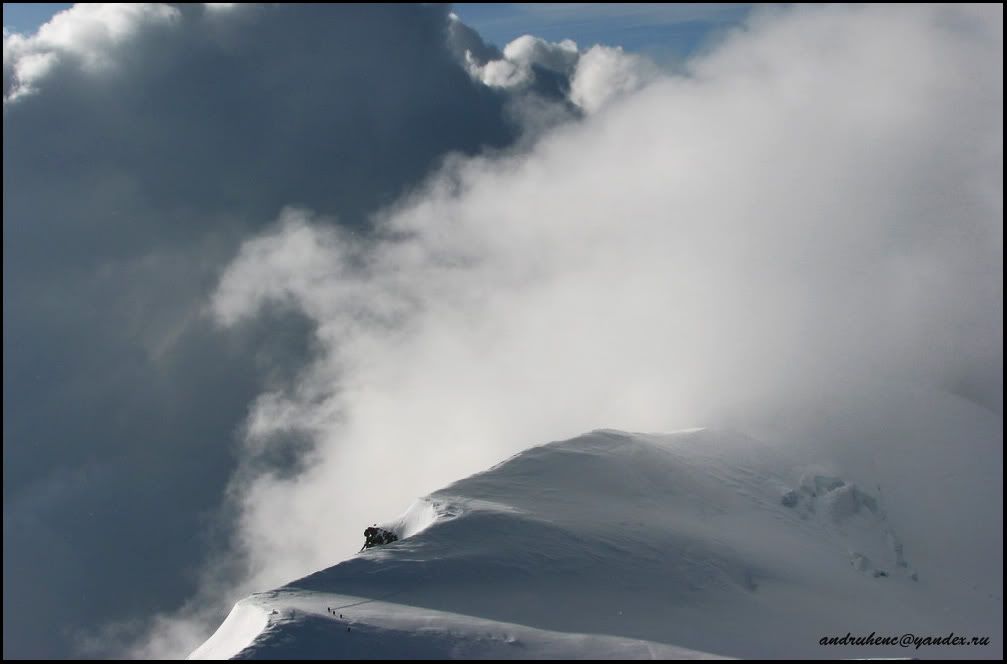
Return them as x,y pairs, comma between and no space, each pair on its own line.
560,71
604,73
809,213
88,34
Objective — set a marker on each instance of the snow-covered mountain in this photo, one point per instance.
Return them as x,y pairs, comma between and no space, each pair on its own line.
699,543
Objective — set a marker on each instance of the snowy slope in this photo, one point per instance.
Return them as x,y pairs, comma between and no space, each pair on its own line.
640,546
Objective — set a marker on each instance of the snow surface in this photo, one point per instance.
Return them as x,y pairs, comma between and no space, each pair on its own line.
247,620
695,544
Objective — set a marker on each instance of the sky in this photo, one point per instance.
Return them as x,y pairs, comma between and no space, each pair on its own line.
26,17
662,29
256,257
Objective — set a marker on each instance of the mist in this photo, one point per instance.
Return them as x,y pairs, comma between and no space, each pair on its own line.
810,212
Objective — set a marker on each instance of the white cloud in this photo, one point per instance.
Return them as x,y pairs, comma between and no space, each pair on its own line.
527,50
814,208
497,73
604,73
89,32
589,79
90,29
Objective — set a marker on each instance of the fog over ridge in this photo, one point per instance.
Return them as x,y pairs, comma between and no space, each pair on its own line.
433,253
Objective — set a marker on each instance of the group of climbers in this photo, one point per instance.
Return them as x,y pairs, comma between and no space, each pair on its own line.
374,536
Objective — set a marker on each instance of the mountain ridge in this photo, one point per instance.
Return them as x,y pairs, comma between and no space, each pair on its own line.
699,543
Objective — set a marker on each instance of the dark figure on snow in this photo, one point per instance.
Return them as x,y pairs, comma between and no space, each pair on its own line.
375,536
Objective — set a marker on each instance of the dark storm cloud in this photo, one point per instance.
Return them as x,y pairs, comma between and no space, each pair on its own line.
140,148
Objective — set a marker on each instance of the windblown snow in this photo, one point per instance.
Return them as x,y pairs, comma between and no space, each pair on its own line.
695,544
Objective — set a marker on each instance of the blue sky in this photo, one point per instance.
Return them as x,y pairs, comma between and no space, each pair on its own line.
27,16
664,30
674,29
